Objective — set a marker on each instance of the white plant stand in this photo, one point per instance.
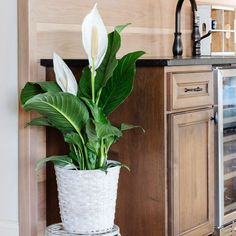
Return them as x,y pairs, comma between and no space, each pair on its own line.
57,229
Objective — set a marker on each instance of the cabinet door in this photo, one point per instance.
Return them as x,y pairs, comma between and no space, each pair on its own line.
191,177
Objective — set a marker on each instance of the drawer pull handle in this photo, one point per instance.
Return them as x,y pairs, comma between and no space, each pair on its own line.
198,89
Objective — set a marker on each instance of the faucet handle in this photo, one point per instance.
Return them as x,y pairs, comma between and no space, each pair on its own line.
197,44
206,35
203,37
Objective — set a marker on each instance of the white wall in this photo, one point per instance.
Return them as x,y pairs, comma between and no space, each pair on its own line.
8,119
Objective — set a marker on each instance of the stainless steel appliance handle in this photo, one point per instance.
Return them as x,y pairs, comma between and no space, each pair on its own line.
218,118
215,118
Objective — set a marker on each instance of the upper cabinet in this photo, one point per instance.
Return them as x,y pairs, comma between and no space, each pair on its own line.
223,30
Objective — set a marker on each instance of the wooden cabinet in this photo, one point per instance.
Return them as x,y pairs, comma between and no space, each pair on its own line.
169,190
190,135
191,173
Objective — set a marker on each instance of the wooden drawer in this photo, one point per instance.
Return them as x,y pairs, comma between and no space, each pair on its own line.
187,90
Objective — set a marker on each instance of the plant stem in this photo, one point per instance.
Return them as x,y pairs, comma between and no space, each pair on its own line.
86,158
102,154
98,97
80,158
93,81
85,150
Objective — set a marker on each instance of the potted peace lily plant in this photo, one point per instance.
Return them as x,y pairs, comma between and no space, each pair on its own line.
86,180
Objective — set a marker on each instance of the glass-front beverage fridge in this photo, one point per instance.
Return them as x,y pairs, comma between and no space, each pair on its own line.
225,117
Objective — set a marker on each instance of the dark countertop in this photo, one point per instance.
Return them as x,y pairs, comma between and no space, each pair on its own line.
183,61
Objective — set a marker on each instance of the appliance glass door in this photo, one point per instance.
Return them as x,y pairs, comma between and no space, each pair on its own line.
227,143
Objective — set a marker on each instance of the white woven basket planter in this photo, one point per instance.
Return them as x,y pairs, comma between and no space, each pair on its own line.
87,199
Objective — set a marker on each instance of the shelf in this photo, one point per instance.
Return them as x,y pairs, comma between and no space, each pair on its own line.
222,30
230,157
229,120
227,108
230,207
229,138
230,175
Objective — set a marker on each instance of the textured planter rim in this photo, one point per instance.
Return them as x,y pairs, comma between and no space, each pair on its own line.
109,161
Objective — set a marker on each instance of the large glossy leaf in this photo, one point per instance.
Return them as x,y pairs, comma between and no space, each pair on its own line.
76,147
85,83
92,138
41,121
57,160
125,127
74,138
32,89
120,28
93,146
63,110
109,141
96,111
105,71
91,131
110,62
120,85
107,130
29,91
49,86
92,159
114,164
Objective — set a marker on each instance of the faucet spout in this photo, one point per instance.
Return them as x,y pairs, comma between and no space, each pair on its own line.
178,46
178,14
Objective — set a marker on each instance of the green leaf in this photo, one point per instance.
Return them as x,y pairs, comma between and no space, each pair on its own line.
29,91
120,85
125,127
49,86
96,111
76,148
41,121
57,160
107,130
105,71
92,157
63,110
108,141
85,83
111,165
32,89
120,28
93,142
91,131
75,159
93,146
74,138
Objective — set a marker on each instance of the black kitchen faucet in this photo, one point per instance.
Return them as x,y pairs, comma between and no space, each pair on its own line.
196,37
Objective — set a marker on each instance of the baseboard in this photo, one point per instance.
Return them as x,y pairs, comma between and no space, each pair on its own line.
9,228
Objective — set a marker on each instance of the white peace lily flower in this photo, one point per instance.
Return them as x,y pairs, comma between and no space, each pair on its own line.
94,37
64,77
